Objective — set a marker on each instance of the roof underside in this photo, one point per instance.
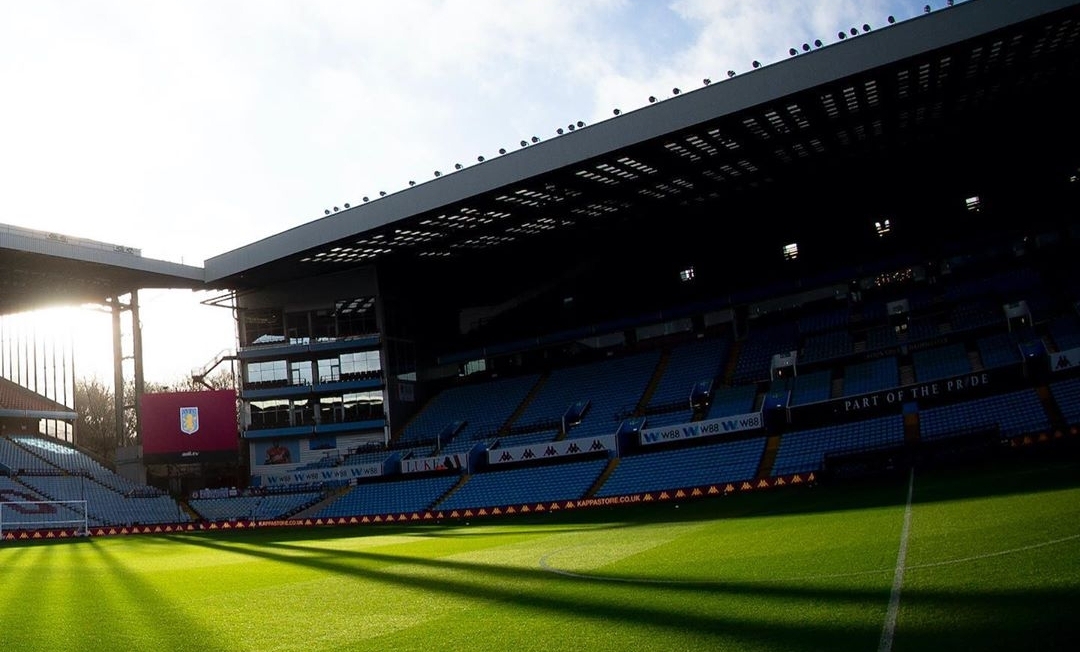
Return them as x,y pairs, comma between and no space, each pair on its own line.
920,102
40,270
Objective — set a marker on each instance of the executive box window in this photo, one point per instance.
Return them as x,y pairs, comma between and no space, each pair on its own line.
267,374
268,414
360,364
262,326
363,406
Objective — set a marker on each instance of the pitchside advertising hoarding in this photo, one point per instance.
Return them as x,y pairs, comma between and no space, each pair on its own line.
709,428
188,427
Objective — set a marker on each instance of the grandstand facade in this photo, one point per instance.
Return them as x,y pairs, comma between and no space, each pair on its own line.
825,265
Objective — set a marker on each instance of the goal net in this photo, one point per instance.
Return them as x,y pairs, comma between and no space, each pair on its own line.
43,515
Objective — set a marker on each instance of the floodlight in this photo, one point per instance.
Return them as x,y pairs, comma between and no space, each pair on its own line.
756,63
675,91
926,9
854,32
866,27
382,193
457,166
524,143
346,206
502,150
817,43
336,209
706,81
412,183
652,99
365,198
535,139
326,211
571,126
891,20
559,131
480,159
841,35
580,123
792,51
437,173
616,111
805,47
730,74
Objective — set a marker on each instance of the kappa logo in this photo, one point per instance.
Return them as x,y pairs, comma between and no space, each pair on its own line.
189,420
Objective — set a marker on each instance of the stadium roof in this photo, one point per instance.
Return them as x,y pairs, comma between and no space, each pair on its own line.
20,403
39,270
919,101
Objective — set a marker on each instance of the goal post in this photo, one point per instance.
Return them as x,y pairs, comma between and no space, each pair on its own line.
30,515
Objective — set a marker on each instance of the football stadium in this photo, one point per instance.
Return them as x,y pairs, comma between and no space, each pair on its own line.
788,361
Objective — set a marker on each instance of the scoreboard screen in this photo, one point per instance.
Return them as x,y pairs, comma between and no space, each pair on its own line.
187,427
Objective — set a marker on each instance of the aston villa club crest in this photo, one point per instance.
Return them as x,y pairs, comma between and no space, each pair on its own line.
189,420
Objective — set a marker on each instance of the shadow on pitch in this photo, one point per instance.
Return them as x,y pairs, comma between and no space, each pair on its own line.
704,609
165,618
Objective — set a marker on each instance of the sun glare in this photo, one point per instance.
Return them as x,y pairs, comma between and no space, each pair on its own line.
78,337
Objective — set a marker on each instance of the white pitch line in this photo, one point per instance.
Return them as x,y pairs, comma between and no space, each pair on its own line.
889,629
999,553
546,565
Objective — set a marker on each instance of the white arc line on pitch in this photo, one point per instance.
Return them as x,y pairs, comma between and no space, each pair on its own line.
545,564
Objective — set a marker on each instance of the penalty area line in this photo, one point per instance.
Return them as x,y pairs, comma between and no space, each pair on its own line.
888,631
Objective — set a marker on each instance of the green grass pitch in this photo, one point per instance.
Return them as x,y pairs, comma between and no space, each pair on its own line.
991,562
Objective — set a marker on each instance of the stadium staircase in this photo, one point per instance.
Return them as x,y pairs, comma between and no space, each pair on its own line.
30,450
1053,410
189,510
837,386
732,363
700,412
768,457
654,382
396,435
612,464
911,428
540,382
976,360
907,375
451,491
326,500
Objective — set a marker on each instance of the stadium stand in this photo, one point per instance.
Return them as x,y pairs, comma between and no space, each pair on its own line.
805,450
532,354
482,409
687,467
539,484
57,472
389,497
254,506
871,376
1010,414
687,364
610,387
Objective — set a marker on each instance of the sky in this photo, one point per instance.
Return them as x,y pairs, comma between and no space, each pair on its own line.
188,129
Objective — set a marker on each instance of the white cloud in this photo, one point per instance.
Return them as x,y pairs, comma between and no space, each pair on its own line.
191,128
